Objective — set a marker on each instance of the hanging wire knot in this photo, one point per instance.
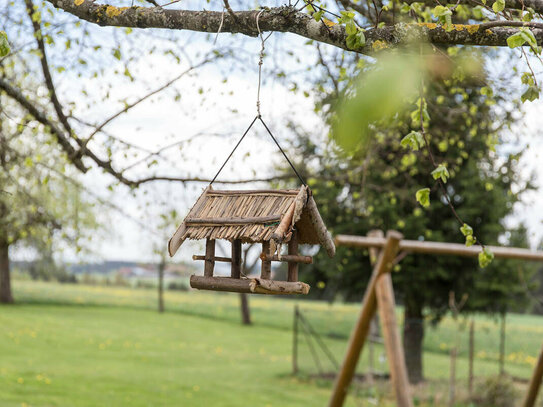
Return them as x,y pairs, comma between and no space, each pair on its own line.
260,60
220,25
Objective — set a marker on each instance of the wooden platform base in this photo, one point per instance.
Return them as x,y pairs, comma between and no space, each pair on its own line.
248,285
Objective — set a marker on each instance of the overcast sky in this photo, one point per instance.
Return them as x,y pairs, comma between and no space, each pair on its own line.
222,117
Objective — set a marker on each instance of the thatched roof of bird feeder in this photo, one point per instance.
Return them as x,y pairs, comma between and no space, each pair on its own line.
254,216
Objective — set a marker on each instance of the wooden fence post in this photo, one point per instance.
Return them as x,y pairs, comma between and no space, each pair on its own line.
361,329
471,356
535,383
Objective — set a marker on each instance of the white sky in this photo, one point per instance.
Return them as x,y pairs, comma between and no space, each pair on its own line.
203,157
157,122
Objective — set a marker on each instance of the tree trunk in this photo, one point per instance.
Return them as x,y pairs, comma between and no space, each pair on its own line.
161,267
5,282
245,311
413,336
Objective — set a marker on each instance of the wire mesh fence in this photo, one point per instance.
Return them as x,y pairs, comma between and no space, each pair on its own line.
479,346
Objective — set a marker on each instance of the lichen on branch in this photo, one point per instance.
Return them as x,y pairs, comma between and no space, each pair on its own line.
287,20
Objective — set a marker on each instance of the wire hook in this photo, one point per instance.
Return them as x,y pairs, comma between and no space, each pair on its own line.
220,26
260,60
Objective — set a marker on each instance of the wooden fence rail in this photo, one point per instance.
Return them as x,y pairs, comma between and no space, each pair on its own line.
455,249
389,247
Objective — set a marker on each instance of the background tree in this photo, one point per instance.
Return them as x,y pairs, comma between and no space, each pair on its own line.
40,204
375,189
66,47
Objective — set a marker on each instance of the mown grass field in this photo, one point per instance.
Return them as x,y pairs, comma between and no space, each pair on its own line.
75,345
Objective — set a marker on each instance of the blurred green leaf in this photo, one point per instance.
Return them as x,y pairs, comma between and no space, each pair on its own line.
4,44
441,172
531,94
466,230
485,257
499,5
378,94
415,140
423,197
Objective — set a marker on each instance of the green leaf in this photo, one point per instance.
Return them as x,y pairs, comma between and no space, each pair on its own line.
318,15
485,258
361,38
470,240
466,230
423,197
377,95
350,27
529,15
356,40
531,94
529,36
444,15
477,12
441,11
527,78
4,44
499,5
516,40
415,140
346,16
441,172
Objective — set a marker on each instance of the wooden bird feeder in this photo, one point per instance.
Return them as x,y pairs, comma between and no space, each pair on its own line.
269,217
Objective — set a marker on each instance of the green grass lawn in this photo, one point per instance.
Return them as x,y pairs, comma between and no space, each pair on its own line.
74,345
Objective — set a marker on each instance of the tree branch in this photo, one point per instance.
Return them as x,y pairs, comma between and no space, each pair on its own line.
107,165
143,98
208,180
41,117
45,68
285,19
537,5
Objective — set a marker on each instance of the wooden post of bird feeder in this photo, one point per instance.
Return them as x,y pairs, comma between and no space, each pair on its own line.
293,250
210,258
265,272
236,258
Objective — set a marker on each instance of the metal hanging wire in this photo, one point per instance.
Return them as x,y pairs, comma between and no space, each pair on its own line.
258,114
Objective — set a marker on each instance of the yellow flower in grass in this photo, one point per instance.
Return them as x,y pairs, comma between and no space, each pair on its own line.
530,360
